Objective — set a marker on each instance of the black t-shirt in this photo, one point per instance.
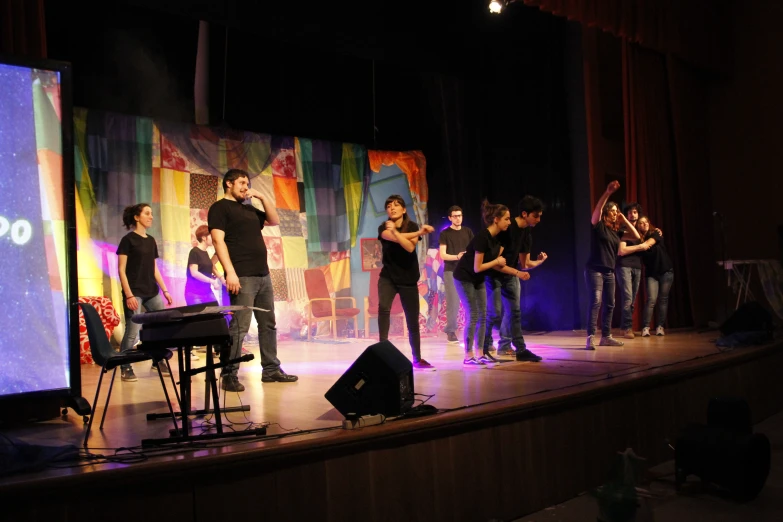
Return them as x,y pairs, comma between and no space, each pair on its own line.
482,243
140,268
456,241
631,260
242,225
604,243
656,260
399,265
515,240
201,258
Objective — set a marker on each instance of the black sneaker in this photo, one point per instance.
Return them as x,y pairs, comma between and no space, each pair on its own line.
489,358
452,338
231,383
161,366
279,376
527,356
128,375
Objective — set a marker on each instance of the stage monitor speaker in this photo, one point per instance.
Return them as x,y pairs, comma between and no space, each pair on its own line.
749,317
379,381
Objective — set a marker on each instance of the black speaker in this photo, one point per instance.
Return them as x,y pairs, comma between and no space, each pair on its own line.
379,381
750,317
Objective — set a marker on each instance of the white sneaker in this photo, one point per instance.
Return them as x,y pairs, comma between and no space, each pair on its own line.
646,331
659,331
194,356
590,345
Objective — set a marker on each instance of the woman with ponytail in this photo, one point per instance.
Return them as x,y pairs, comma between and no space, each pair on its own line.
482,254
400,274
139,276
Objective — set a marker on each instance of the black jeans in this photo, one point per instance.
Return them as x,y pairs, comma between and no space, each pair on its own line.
409,298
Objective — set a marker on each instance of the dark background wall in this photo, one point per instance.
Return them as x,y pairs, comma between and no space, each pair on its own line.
484,97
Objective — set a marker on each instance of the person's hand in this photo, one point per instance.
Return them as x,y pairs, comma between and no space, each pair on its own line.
132,303
253,193
390,226
427,229
524,276
660,232
612,187
167,296
501,261
646,245
459,256
232,283
542,256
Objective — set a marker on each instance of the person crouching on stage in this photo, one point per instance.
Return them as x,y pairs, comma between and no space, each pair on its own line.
139,276
659,271
400,274
599,269
482,254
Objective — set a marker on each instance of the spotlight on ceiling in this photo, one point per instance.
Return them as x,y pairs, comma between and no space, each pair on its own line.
496,6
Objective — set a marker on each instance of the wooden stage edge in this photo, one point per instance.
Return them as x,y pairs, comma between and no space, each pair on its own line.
499,460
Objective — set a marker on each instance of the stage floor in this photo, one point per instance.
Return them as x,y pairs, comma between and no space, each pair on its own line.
566,369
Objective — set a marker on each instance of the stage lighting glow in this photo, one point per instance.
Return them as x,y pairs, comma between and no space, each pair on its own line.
495,7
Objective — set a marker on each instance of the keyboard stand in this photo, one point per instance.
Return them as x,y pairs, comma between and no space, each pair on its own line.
185,373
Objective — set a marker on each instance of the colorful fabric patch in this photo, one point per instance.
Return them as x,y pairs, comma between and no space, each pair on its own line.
202,190
294,252
198,217
303,222
286,193
279,285
274,252
317,259
284,164
290,225
296,283
170,156
265,186
341,274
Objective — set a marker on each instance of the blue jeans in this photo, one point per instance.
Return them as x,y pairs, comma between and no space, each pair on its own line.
628,280
131,335
257,292
600,288
474,299
452,302
503,312
658,290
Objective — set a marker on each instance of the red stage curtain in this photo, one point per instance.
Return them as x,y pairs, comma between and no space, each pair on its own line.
23,28
695,30
667,171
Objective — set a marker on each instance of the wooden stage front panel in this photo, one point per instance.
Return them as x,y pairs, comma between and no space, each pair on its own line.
517,438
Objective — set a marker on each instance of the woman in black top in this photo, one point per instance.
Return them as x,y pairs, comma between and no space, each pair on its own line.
201,275
139,276
599,269
482,254
400,273
659,271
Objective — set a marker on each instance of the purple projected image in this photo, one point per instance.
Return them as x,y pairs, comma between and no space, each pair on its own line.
33,325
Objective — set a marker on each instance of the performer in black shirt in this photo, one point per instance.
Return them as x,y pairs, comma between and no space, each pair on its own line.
453,243
629,269
483,254
599,269
236,234
400,274
503,290
659,271
139,276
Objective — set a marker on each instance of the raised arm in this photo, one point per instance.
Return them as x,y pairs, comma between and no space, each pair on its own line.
221,250
610,189
272,218
406,240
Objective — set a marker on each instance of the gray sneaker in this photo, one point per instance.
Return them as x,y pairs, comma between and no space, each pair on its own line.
128,375
590,345
451,338
610,341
